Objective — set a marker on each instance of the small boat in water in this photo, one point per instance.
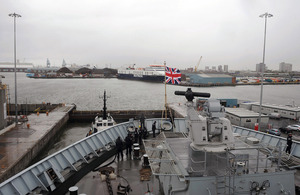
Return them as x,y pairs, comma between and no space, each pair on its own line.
102,122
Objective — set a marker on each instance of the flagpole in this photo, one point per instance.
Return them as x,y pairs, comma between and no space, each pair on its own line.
165,92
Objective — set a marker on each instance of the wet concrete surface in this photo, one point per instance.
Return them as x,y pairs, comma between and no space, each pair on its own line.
16,142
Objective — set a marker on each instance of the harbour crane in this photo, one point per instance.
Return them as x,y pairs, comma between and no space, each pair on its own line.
196,67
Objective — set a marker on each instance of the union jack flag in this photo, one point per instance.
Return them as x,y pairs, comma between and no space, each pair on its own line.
173,76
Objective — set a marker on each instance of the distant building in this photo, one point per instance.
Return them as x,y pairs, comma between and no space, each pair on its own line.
10,66
214,68
285,67
194,78
220,68
260,67
225,68
245,118
48,63
64,64
206,68
284,111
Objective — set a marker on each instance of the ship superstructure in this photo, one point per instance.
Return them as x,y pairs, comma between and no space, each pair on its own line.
154,73
209,159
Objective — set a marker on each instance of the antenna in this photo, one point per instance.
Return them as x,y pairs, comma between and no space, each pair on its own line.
104,104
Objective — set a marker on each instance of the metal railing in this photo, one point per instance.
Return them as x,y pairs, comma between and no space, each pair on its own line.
57,167
270,140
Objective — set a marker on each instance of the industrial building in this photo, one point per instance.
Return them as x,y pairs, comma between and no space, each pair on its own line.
194,78
10,66
260,67
245,118
284,111
285,67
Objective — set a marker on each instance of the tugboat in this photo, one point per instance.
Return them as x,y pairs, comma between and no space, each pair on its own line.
103,122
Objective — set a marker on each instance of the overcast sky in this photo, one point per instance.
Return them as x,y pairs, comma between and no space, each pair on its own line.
118,33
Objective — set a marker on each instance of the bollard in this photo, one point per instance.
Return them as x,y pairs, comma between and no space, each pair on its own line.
28,125
135,145
136,152
47,113
73,190
38,113
146,160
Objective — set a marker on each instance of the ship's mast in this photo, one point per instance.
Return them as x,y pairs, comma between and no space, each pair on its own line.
104,106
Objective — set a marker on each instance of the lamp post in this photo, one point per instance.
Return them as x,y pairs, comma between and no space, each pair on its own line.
14,15
265,15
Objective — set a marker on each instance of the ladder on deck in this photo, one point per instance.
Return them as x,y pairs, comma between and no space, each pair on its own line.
220,185
225,183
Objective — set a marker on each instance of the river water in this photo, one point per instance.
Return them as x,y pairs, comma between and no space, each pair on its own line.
133,95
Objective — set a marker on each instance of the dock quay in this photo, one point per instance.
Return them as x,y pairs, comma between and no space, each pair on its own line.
118,115
20,145
84,116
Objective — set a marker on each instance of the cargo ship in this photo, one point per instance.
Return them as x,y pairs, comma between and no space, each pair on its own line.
153,73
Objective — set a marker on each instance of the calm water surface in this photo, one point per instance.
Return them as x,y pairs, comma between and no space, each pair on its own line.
131,95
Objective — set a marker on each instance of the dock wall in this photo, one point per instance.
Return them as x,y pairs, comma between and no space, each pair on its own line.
118,115
25,160
29,108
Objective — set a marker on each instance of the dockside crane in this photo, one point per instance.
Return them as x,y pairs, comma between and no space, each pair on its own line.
196,67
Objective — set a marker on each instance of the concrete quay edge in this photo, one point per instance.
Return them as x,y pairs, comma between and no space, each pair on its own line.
45,131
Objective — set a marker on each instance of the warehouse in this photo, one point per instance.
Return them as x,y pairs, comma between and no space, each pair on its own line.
209,78
284,111
245,118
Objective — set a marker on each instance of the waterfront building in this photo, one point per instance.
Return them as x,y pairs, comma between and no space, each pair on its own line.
225,68
10,66
285,67
50,70
209,78
245,118
290,112
220,68
260,67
